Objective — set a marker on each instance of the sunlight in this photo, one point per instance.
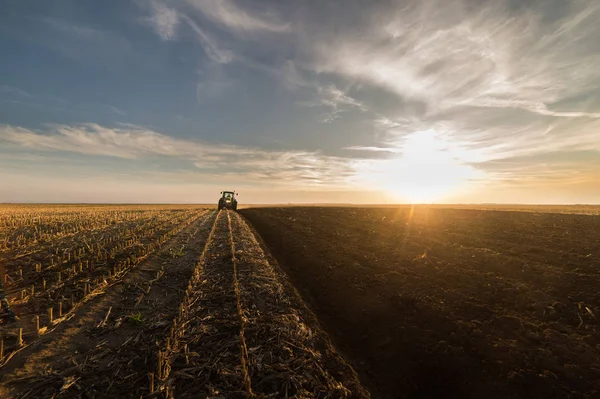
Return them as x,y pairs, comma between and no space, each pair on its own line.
430,168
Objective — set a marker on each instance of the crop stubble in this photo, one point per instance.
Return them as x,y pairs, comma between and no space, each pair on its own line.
201,313
243,333
47,283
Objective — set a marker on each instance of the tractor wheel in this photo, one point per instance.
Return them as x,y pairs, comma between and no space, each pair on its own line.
234,207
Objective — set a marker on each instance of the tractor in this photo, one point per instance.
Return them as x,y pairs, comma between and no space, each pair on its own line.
228,200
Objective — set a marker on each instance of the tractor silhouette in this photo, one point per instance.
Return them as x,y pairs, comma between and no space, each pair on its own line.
228,200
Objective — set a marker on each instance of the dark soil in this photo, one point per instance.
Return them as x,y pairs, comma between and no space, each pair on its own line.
432,303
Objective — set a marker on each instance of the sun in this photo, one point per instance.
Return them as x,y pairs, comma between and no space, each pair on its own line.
429,168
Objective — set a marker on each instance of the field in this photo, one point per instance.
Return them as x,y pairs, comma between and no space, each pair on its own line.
429,302
173,301
154,302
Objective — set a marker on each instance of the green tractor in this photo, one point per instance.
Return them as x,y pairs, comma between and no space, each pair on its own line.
228,200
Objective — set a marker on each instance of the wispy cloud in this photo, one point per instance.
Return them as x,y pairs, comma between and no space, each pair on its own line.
531,106
209,43
335,100
212,79
166,20
446,53
393,150
323,94
290,76
229,14
133,142
553,151
163,19
116,110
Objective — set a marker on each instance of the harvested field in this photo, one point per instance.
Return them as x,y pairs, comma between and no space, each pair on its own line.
174,302
56,260
449,303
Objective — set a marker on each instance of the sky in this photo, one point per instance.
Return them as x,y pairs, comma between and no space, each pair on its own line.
344,101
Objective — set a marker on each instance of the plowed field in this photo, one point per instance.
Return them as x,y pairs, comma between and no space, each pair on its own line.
450,303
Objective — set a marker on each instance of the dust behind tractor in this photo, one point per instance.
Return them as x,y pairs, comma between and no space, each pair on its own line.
228,200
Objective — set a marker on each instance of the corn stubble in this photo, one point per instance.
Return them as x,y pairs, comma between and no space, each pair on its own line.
194,308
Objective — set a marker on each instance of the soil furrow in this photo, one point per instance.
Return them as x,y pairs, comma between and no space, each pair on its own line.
209,363
449,303
238,302
288,356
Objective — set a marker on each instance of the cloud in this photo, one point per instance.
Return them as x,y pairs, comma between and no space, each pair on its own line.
89,139
164,20
228,14
212,79
116,110
499,81
531,106
289,75
334,99
161,188
323,94
447,53
544,153
392,150
135,143
210,45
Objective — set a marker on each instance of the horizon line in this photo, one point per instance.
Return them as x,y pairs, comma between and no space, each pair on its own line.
305,203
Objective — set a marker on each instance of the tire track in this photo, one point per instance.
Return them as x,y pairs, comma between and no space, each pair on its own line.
236,285
206,357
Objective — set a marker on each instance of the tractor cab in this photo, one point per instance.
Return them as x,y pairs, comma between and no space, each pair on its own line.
228,200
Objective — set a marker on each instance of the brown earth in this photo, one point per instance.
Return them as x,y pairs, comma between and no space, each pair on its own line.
449,303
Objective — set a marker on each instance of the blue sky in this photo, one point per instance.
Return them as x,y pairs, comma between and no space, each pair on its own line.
287,101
